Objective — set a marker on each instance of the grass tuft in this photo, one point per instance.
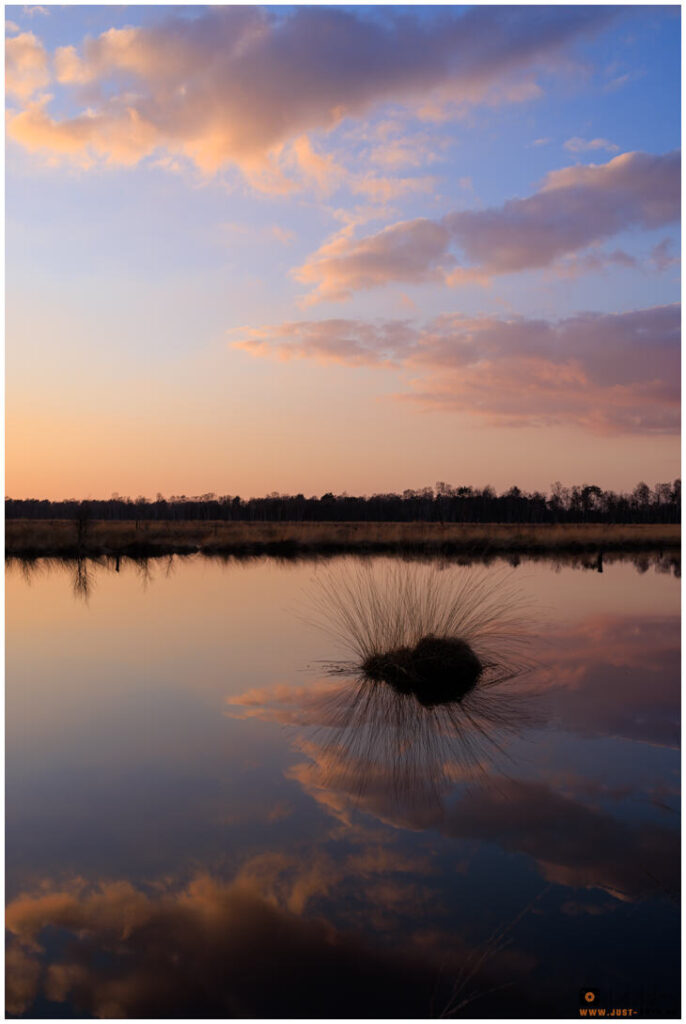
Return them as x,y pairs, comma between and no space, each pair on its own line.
433,660
412,620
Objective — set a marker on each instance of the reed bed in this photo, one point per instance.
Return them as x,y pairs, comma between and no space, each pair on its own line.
59,537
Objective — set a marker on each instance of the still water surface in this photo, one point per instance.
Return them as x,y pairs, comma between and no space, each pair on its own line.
198,826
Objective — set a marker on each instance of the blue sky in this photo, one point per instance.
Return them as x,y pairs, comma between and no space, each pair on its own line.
156,266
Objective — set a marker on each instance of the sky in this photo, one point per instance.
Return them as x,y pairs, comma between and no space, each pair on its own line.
309,249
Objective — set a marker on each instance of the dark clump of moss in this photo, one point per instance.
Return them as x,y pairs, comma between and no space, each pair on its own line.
437,670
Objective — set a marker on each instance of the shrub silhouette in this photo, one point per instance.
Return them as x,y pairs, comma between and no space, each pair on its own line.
436,670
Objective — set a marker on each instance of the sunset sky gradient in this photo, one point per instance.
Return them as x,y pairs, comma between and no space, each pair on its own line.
358,249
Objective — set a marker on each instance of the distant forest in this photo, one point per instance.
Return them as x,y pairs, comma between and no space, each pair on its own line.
440,504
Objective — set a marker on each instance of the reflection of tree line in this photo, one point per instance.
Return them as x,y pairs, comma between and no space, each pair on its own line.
84,570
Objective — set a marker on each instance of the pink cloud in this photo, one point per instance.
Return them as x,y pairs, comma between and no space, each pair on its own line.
413,251
26,65
584,848
587,847
662,256
618,675
349,342
575,208
579,145
234,85
191,952
604,372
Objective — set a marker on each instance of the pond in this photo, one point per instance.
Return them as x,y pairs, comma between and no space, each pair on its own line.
209,816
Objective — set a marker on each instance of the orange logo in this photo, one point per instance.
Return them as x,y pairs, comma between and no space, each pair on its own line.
589,997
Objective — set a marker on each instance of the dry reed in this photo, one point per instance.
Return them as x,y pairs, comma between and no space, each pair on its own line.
35,537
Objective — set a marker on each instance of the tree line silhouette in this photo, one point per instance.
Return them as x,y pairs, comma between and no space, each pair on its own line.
440,504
